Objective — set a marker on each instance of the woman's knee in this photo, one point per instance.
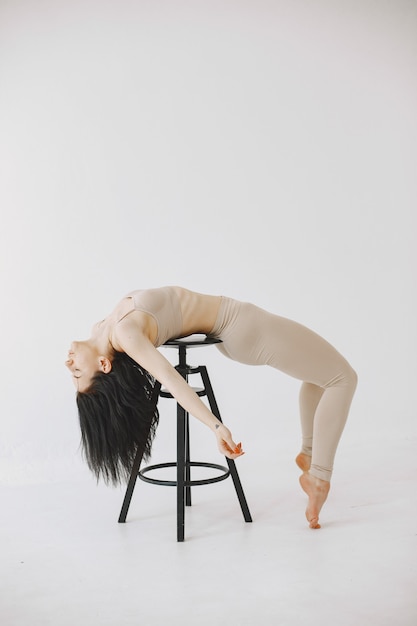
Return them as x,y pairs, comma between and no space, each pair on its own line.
352,378
345,377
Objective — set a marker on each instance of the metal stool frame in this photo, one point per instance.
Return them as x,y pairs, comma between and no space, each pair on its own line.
183,462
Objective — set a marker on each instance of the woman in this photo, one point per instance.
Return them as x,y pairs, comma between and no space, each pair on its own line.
115,371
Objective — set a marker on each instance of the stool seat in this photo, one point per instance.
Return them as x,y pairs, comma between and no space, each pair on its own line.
192,341
183,464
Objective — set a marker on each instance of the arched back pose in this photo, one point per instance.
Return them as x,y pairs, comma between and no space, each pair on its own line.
115,370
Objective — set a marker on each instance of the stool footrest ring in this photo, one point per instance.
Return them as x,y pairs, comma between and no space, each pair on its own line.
187,483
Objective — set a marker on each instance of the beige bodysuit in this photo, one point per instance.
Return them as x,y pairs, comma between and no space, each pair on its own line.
164,306
254,336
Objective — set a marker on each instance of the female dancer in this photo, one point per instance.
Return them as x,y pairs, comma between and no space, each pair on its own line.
115,371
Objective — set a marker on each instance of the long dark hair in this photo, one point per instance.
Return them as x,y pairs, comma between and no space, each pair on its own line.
118,416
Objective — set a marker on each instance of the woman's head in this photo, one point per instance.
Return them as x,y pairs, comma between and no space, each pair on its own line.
87,358
118,416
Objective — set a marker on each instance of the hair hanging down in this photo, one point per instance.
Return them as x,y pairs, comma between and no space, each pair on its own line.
118,416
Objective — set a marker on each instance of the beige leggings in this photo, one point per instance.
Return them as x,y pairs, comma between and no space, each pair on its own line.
253,336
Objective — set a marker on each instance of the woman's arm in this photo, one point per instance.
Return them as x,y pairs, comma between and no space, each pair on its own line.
141,350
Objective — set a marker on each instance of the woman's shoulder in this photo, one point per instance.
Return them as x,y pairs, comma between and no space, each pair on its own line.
134,327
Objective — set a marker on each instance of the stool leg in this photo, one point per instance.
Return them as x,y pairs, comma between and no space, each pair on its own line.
135,468
130,486
231,464
181,463
187,461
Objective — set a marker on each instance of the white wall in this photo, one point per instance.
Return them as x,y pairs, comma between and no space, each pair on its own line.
263,150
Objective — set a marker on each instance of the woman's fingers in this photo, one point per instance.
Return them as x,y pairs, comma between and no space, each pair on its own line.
226,444
232,453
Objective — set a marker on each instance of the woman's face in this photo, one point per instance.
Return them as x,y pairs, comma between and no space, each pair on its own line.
83,362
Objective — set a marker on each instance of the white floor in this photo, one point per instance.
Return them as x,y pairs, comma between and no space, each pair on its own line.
65,560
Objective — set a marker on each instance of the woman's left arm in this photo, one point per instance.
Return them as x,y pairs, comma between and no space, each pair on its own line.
141,350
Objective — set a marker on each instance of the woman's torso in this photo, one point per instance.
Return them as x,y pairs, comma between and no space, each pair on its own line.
167,312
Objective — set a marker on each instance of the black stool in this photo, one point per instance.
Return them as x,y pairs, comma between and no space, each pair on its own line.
183,462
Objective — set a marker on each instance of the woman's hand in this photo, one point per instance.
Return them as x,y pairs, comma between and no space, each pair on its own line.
226,444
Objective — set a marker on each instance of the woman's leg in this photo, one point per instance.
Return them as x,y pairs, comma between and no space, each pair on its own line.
257,337
310,396
329,420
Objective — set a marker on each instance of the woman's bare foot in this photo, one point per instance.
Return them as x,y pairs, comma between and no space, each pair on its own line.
303,461
317,491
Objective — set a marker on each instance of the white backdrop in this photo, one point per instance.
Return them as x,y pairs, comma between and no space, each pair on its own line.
262,150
